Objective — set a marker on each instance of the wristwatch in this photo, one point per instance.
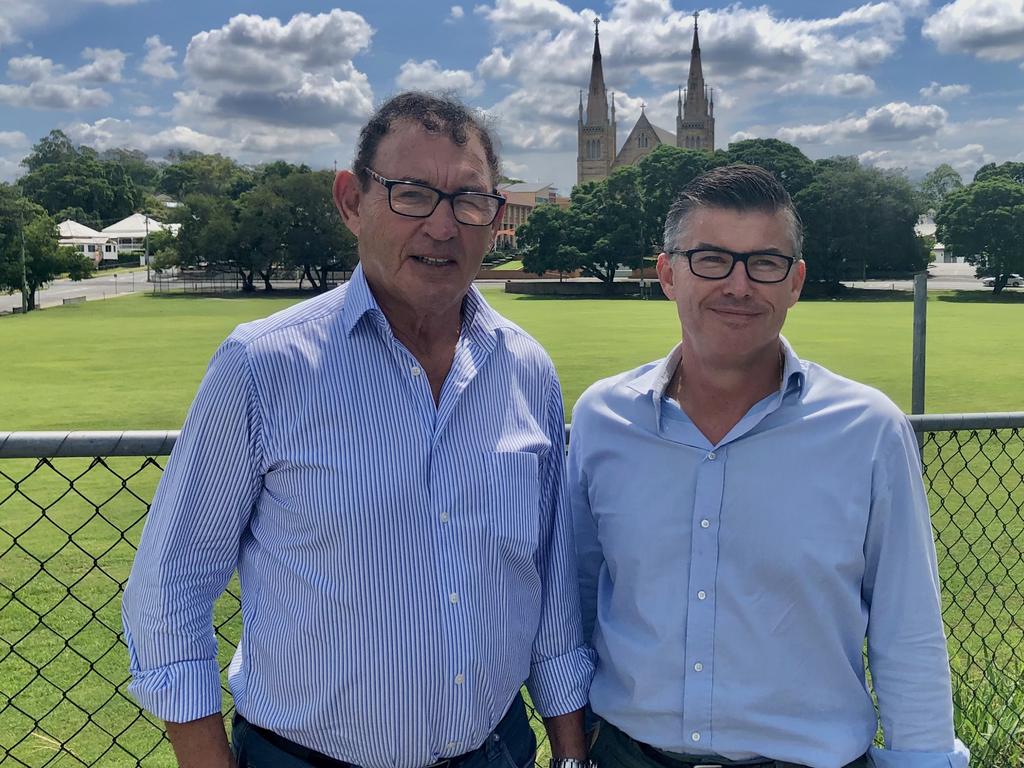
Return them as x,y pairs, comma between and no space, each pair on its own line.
571,762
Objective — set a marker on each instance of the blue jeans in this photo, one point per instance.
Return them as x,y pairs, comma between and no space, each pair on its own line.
512,744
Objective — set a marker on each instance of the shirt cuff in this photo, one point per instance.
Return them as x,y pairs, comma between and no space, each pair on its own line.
180,692
561,684
887,758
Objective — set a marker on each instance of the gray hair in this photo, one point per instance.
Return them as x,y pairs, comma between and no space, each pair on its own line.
443,114
737,187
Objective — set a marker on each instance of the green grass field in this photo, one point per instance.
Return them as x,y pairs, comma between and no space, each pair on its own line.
135,362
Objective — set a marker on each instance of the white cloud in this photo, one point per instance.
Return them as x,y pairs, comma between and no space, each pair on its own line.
845,84
457,12
50,86
13,139
53,96
295,74
10,168
159,56
896,121
938,92
924,157
742,136
246,141
428,76
143,111
989,29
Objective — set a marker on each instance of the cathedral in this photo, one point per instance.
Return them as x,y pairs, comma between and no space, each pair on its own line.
695,121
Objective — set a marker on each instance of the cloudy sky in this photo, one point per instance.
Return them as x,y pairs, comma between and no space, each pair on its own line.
900,83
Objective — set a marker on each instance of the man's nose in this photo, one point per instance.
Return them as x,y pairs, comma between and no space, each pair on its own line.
441,224
738,282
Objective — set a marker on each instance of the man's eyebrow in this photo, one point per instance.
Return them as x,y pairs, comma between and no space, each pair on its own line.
425,183
702,246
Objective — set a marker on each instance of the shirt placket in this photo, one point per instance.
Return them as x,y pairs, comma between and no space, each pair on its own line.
702,600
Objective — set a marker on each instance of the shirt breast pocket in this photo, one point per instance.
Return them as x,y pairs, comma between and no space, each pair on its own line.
509,502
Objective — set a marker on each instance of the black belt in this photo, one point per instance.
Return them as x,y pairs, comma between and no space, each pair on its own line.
696,761
320,760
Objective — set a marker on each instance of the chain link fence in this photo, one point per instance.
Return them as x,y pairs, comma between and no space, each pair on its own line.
72,508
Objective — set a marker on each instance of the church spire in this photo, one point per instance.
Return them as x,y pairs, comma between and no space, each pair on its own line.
696,91
597,97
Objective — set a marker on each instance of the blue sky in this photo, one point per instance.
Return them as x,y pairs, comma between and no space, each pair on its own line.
899,83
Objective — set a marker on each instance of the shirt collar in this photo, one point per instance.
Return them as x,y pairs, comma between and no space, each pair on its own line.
654,381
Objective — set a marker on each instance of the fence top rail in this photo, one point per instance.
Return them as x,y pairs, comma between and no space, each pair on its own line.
38,445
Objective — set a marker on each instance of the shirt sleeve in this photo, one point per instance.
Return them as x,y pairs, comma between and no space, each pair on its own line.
190,543
906,642
589,556
561,664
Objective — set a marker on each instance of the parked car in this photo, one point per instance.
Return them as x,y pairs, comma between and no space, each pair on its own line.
1013,281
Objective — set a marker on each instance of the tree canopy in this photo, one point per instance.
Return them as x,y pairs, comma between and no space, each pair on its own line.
984,223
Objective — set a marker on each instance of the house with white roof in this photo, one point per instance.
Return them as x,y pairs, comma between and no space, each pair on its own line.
130,234
87,241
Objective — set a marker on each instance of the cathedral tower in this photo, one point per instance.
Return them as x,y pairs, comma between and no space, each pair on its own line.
695,112
595,131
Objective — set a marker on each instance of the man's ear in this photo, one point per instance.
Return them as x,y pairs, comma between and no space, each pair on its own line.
666,275
348,191
496,224
800,269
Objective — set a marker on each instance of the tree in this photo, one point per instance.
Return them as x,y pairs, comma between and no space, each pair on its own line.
542,241
208,233
62,177
25,228
317,241
264,218
662,175
790,166
196,173
938,185
1009,170
984,222
605,225
859,222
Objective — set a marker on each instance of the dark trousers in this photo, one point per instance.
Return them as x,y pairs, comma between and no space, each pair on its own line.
512,744
616,749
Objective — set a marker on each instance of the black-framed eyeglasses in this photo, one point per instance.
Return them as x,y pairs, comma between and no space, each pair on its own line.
717,264
410,198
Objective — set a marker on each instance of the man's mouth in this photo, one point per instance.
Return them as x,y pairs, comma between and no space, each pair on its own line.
431,261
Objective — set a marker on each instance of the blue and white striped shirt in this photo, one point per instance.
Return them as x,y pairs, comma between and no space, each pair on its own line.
404,567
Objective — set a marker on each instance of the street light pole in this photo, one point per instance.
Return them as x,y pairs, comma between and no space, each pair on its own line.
146,215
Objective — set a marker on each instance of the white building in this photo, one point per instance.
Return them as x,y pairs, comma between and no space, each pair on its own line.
130,234
87,241
926,226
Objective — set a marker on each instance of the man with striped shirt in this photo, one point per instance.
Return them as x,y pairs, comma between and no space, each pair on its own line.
383,466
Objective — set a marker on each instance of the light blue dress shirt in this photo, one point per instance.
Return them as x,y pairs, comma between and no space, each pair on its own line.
404,567
728,588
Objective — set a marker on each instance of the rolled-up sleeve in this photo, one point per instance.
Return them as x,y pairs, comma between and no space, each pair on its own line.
562,665
906,641
190,544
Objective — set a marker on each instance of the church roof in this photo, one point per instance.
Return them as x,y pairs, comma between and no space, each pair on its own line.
666,137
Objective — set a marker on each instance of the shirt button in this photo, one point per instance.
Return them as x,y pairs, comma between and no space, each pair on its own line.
460,679
695,736
445,517
712,456
698,667
705,523
415,370
453,598
700,595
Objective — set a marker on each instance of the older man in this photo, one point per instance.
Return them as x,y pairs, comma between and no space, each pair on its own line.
383,465
745,519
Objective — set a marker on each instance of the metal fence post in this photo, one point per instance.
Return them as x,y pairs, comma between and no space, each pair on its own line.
920,338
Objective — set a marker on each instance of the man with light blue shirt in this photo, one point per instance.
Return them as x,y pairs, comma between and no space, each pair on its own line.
745,519
383,465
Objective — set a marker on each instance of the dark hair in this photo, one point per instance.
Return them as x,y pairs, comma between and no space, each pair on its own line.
437,113
738,187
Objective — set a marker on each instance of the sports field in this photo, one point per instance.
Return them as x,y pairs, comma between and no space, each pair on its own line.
67,531
135,362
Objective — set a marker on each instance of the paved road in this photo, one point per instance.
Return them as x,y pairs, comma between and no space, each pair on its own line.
102,287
